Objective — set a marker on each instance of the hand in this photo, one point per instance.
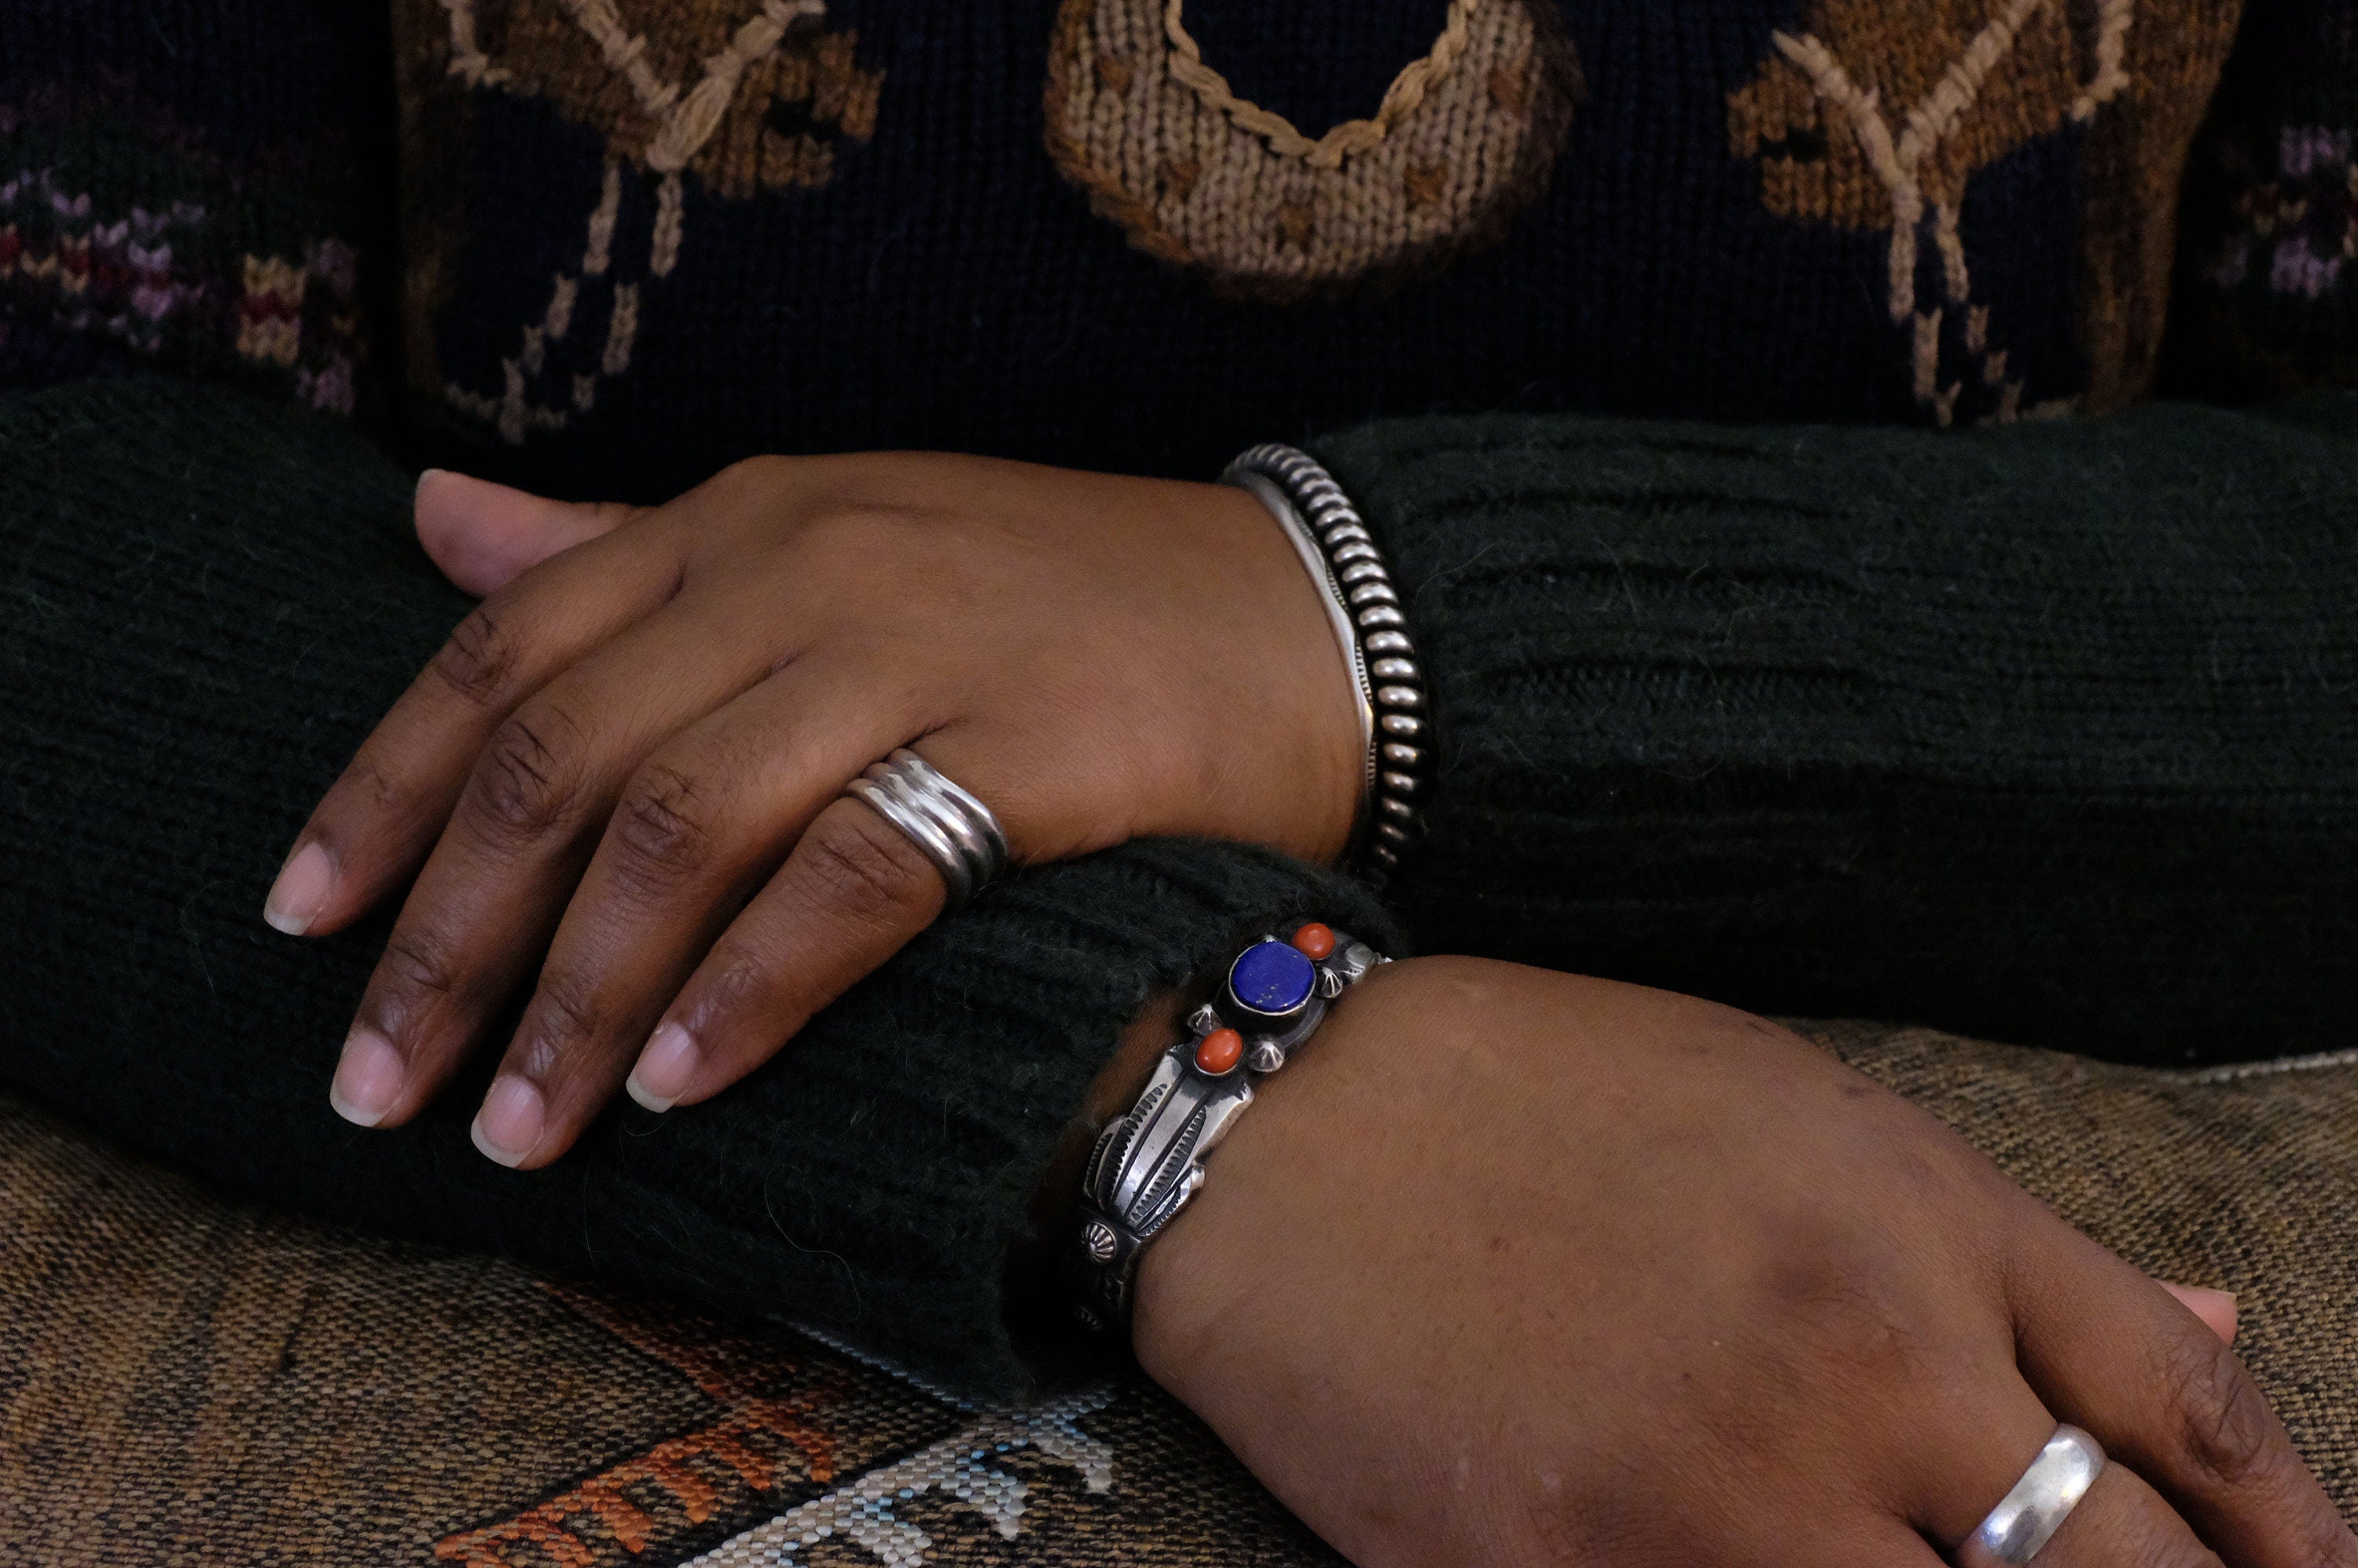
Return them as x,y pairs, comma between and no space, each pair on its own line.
1515,1268
630,759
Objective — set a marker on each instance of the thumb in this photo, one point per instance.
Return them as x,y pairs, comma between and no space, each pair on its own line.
484,536
2215,1308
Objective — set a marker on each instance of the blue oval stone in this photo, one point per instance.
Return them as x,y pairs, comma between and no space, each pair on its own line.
1272,978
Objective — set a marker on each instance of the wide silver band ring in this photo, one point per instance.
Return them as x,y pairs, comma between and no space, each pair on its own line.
2040,1503
957,832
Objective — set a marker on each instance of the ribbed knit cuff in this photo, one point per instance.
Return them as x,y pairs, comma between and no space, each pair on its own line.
211,601
2042,732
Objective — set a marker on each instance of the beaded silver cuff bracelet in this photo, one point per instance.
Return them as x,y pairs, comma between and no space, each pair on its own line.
1364,607
1147,1165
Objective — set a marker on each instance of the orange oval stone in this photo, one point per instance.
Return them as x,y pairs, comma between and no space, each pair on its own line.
1219,1051
1315,940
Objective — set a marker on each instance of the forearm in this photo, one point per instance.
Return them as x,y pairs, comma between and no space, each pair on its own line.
209,604
2044,731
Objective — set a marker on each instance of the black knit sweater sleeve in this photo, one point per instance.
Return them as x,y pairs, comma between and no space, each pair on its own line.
2049,733
204,605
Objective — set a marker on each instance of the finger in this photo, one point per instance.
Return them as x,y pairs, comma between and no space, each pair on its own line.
1885,1543
2123,1523
1811,1539
485,535
1987,1436
698,829
2215,1308
2116,1354
2119,1523
531,812
376,823
852,893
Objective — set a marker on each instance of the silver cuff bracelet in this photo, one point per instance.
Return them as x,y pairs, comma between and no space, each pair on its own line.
1342,558
1147,1165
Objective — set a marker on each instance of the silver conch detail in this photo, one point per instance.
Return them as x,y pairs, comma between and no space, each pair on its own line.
1100,1240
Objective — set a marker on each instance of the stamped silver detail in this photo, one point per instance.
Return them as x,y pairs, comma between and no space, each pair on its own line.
1147,1164
1318,515
1099,1239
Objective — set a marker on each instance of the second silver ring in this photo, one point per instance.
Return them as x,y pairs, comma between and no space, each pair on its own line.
957,832
2036,1509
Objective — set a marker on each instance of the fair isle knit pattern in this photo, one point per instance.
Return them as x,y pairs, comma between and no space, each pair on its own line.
166,204
2269,291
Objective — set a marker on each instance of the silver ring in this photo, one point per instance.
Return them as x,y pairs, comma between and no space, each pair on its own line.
957,832
2040,1503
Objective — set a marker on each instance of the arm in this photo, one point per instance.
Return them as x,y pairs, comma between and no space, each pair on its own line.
2045,732
208,603
1516,1267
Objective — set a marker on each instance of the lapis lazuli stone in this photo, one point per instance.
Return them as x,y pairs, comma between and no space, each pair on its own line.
1272,978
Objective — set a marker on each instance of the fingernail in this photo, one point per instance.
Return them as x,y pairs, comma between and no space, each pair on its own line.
2216,1308
665,1068
423,475
303,886
368,1078
508,1127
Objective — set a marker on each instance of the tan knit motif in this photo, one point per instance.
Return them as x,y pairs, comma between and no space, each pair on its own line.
1198,176
1344,141
693,87
743,97
1873,117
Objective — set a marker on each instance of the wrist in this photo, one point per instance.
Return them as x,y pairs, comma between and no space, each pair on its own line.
1369,625
1039,1286
1303,669
1204,1263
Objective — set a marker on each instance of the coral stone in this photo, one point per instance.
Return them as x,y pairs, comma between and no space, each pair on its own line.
1315,940
1274,979
1217,1052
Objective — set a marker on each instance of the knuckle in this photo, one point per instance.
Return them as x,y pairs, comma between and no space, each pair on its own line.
2150,1533
738,981
2175,1549
664,829
2223,1426
529,775
567,1013
420,964
859,868
868,535
479,661
1582,1529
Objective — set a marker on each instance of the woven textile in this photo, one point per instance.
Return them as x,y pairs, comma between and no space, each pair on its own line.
185,1377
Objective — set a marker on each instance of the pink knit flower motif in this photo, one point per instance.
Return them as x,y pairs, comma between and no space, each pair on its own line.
2314,213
